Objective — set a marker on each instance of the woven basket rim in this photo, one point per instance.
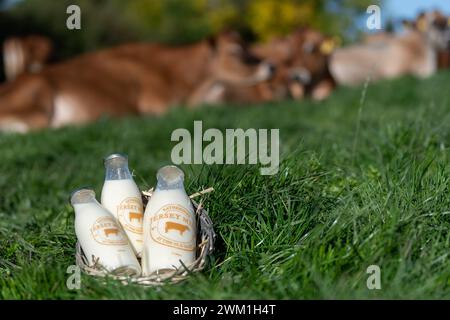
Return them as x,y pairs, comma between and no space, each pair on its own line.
205,247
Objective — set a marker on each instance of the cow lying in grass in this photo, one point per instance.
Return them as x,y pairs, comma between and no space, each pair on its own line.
135,78
389,56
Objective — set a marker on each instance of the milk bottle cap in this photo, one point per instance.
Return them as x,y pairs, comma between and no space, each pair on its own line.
170,177
116,165
82,195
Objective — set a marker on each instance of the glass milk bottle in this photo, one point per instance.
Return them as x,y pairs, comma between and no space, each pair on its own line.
100,235
121,196
169,224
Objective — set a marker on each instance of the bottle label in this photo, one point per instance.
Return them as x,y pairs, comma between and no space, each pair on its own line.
173,226
131,214
106,231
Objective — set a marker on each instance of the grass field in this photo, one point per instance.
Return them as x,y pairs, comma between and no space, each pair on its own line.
364,180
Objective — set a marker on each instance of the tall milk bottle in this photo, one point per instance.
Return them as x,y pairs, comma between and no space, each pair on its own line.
100,235
169,224
121,196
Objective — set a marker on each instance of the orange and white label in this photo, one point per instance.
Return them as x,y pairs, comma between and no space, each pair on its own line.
131,215
106,231
173,226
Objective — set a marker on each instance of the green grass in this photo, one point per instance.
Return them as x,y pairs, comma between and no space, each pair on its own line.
359,184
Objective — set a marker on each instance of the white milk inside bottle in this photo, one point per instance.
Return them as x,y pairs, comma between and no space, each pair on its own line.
170,230
100,235
121,196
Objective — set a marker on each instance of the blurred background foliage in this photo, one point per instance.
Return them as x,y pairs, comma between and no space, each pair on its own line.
109,22
105,23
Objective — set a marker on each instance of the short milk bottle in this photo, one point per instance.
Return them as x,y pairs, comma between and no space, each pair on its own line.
121,196
169,225
100,236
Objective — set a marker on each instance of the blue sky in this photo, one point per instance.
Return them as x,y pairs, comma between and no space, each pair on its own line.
398,9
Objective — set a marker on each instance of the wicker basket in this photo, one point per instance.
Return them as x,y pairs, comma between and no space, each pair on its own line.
205,245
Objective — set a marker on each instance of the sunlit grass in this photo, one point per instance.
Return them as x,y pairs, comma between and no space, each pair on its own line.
338,204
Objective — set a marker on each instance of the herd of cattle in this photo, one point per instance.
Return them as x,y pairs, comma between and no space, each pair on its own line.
149,78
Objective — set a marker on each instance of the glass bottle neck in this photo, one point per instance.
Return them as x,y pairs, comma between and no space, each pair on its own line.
170,178
163,185
120,173
83,196
117,169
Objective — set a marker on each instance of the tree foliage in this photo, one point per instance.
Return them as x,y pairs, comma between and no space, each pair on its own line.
108,22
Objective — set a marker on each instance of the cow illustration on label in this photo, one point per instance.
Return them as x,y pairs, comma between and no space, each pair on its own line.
176,226
109,231
138,216
106,231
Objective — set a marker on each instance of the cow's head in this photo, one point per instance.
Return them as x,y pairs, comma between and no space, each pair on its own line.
434,26
301,59
25,54
310,53
233,63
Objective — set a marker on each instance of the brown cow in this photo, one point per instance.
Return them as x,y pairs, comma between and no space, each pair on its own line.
137,78
25,55
301,61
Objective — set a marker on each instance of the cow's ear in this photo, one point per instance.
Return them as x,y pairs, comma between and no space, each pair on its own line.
329,45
